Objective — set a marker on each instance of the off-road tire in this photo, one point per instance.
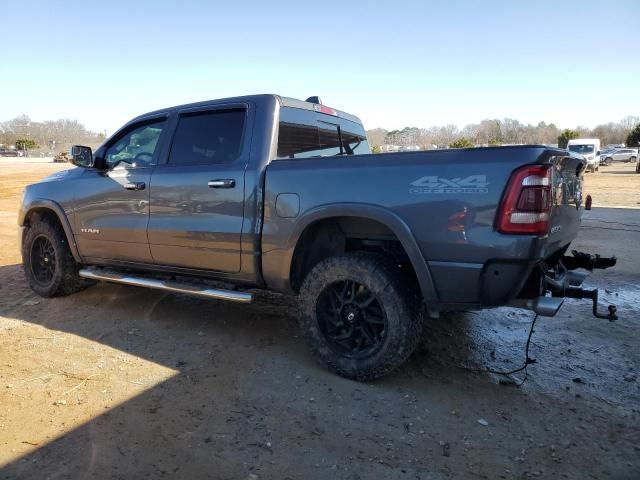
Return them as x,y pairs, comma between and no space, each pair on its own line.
401,305
65,279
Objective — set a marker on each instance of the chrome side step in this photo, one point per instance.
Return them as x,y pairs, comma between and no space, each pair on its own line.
169,286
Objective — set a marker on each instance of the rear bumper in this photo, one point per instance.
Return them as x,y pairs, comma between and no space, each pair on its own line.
491,284
552,282
548,306
540,286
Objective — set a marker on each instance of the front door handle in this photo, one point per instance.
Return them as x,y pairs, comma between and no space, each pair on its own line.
222,183
134,186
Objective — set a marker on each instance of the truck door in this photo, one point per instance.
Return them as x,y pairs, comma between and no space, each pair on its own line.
197,197
112,205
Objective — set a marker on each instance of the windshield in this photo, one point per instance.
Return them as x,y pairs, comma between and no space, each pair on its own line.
582,149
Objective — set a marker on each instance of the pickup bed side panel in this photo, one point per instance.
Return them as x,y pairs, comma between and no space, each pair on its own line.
280,259
447,199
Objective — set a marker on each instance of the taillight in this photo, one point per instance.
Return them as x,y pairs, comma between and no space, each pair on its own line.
526,204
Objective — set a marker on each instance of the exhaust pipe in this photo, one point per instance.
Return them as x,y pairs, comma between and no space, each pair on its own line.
543,306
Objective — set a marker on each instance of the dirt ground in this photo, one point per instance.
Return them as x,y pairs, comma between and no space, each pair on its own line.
121,382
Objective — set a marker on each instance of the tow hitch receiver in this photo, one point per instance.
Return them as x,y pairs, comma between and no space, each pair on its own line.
581,293
559,278
587,261
569,285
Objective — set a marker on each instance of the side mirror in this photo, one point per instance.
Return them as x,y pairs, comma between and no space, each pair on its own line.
598,152
81,156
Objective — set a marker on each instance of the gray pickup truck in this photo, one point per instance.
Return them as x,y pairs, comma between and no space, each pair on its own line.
281,194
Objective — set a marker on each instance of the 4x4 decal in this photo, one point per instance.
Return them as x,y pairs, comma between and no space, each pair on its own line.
433,184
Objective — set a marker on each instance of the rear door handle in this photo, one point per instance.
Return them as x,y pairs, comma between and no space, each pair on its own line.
222,183
134,186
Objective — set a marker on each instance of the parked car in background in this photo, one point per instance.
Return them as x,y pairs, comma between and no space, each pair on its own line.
6,152
620,155
589,148
61,157
604,159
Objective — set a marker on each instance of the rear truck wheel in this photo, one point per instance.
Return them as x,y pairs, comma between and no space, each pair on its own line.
358,316
47,261
633,159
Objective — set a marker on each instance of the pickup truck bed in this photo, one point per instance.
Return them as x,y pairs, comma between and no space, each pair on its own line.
447,200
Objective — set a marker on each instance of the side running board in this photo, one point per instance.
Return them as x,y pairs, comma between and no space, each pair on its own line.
169,286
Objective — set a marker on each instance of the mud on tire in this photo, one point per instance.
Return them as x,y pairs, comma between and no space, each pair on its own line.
353,335
48,265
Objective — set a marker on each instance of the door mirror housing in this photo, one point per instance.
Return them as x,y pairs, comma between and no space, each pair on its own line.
81,156
598,152
99,162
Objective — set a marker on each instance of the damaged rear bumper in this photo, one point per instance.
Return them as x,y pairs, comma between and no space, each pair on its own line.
556,279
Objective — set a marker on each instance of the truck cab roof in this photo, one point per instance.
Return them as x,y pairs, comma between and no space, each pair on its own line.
259,99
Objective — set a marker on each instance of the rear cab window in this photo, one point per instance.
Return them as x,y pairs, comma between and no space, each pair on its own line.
306,134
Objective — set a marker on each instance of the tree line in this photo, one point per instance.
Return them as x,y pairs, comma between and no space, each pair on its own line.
51,135
502,132
58,135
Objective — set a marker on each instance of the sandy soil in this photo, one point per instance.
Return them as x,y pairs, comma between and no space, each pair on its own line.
121,382
614,186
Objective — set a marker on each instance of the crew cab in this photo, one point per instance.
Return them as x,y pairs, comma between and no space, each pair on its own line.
220,197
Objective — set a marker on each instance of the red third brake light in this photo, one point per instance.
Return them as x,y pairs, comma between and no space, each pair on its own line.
325,109
526,204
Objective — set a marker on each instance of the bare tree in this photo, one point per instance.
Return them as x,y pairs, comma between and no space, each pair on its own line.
497,132
51,135
629,122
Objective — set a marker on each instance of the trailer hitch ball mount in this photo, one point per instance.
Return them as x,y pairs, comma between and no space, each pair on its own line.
581,293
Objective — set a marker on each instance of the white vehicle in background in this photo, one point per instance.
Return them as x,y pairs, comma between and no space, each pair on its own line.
589,148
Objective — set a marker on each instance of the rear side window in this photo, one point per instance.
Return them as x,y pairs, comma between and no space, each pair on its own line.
298,134
208,138
354,143
329,136
305,133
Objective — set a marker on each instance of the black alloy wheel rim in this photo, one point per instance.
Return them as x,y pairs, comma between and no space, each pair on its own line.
43,260
351,319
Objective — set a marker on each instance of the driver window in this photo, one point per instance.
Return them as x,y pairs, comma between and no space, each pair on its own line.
137,147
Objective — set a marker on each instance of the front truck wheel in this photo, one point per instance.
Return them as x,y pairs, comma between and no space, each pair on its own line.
358,316
47,261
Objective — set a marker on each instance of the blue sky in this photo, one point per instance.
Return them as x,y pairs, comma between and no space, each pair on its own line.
394,64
